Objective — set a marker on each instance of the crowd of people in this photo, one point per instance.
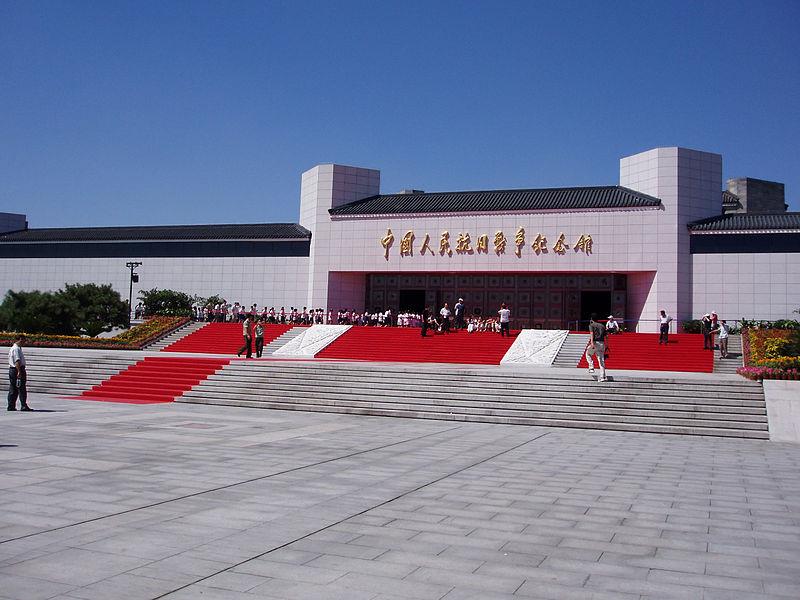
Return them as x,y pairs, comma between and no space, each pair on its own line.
443,320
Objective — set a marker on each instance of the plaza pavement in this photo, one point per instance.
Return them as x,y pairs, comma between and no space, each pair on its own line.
187,501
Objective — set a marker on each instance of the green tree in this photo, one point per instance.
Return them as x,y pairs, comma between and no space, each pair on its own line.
98,308
166,302
38,312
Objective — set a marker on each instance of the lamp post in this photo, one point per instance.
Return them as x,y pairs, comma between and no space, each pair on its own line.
134,279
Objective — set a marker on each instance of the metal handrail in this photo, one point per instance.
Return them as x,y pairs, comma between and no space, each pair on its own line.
627,323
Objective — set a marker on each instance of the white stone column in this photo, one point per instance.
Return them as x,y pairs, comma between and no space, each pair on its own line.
322,188
689,185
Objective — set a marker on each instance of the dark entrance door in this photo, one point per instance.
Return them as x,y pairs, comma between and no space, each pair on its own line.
594,302
412,301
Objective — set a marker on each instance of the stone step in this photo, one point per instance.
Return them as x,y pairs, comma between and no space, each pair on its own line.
506,380
544,387
549,397
571,350
653,427
597,411
602,392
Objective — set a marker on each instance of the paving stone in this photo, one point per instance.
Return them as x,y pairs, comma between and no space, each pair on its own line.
576,514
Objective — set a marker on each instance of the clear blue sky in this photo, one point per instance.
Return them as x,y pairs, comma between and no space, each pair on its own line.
167,112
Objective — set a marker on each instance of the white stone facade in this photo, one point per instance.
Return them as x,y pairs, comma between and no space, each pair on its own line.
754,286
277,281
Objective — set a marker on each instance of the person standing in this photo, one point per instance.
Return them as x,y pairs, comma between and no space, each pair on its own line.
505,320
597,347
17,376
612,326
258,330
248,339
705,329
663,327
459,313
426,317
723,331
445,314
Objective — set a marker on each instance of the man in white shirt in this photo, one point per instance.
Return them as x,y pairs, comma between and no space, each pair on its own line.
445,314
17,376
723,330
663,327
505,320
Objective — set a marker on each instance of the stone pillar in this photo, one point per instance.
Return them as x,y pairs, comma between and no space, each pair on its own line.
689,185
322,188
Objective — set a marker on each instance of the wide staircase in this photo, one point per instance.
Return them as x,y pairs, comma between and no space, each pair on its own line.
179,333
155,379
728,406
70,372
222,338
406,344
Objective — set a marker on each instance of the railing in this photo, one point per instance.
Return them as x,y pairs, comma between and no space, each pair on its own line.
640,326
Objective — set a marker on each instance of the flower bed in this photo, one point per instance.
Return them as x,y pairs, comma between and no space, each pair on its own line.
770,354
135,338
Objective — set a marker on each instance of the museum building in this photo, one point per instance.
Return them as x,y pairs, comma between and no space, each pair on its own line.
668,236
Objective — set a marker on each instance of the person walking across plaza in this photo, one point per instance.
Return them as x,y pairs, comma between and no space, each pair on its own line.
17,376
505,320
597,347
248,339
663,327
258,330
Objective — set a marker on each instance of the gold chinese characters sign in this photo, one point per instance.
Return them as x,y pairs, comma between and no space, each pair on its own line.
463,244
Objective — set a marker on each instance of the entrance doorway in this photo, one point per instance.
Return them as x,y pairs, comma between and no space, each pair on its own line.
594,302
412,301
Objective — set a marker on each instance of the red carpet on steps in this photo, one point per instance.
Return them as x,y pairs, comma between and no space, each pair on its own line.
155,379
221,338
642,352
406,344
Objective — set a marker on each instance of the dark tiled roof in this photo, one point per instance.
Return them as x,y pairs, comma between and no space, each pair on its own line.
748,222
499,200
730,201
257,231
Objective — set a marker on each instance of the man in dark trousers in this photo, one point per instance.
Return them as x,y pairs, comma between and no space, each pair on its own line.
706,328
597,347
17,376
248,339
445,314
459,313
426,316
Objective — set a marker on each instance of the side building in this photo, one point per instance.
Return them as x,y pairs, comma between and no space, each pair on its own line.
668,236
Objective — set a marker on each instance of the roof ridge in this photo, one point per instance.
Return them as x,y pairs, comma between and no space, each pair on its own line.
532,199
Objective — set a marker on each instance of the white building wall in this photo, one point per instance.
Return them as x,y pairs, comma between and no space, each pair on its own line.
278,281
753,286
